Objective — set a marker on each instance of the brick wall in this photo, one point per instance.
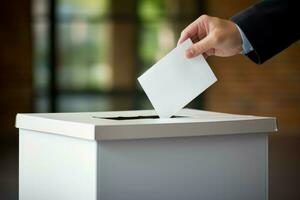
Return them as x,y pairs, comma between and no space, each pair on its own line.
15,64
271,89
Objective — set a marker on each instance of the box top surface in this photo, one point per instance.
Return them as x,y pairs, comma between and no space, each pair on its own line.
144,124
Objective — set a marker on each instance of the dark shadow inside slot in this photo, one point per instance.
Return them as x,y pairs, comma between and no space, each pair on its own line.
134,117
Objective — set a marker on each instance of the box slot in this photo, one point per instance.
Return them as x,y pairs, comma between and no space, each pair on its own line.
134,117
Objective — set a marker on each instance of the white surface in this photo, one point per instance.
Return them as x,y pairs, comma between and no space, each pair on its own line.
53,167
195,123
232,167
175,80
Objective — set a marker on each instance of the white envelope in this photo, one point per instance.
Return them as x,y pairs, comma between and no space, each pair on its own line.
175,80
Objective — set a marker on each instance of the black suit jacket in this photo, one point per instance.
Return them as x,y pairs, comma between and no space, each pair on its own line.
270,26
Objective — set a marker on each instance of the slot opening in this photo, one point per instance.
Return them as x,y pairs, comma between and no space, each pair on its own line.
134,117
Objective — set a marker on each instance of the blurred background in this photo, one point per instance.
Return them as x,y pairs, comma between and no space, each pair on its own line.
85,55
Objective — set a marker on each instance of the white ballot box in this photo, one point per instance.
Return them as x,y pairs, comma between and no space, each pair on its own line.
133,155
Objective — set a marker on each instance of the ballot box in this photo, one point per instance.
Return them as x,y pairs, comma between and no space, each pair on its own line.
134,155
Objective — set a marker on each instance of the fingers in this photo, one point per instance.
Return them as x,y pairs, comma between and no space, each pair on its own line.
208,53
204,45
193,30
195,39
184,35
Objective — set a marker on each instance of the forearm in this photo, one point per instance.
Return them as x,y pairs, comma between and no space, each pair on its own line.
270,27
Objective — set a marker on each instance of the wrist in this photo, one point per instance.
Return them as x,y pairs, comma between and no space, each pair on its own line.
246,45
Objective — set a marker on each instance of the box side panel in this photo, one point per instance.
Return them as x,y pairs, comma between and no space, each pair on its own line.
56,167
232,167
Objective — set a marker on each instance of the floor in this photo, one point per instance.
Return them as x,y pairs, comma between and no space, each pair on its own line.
284,168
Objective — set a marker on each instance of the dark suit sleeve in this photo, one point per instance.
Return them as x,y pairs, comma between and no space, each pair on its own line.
270,27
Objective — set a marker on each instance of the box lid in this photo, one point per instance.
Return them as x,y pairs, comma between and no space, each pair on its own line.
144,124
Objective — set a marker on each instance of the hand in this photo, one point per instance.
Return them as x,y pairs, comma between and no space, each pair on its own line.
212,36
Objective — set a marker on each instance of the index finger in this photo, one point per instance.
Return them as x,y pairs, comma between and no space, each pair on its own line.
192,30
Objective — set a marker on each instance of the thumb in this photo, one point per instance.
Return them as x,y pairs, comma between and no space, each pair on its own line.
200,47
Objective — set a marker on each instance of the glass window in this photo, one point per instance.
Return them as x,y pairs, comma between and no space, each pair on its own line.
70,9
40,29
82,56
84,32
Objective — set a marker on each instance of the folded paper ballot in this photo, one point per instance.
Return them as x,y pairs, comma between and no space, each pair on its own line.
175,80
